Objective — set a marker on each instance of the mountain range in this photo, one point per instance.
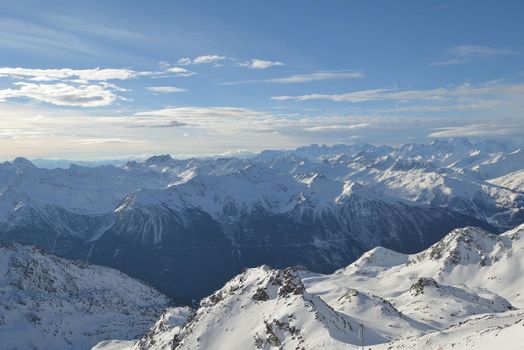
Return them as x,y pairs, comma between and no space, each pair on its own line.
170,222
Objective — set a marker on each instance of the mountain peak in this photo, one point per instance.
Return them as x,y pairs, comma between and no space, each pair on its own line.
158,159
22,162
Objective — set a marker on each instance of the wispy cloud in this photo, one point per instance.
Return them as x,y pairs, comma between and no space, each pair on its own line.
479,130
338,127
449,62
165,89
476,50
152,123
303,78
410,95
466,53
255,63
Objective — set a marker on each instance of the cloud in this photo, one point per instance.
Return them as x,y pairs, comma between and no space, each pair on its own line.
475,50
449,62
233,120
208,59
479,130
141,123
204,59
436,94
260,64
99,141
337,127
180,71
304,78
479,105
61,94
44,131
466,53
316,76
185,61
95,74
165,89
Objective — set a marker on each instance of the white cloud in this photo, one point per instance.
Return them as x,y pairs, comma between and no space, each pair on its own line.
61,94
337,127
165,89
411,95
185,61
208,59
260,64
316,76
449,62
204,59
476,50
466,53
180,72
479,130
476,105
232,120
44,131
304,78
95,74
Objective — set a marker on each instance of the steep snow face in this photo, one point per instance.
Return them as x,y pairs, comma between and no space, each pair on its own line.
52,303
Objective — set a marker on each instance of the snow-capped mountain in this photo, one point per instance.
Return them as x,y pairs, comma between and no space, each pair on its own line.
463,292
47,302
318,206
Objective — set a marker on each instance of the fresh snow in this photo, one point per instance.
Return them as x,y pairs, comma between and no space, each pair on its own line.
464,292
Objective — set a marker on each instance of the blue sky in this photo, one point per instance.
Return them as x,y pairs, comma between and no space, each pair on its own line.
100,79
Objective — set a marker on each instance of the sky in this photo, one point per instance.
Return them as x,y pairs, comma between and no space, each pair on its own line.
128,79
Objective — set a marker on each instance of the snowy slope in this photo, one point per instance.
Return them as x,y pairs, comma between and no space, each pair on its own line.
468,256
460,293
259,309
47,302
484,332
513,181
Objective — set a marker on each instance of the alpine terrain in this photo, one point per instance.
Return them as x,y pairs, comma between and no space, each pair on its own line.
463,292
170,222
